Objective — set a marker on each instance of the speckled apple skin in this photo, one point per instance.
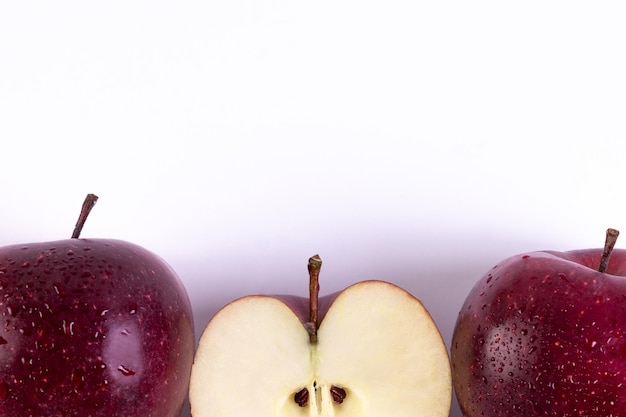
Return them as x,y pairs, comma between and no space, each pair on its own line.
92,328
544,334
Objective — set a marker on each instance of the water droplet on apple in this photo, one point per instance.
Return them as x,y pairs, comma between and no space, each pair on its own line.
68,328
125,371
70,253
59,289
26,331
86,274
536,409
78,379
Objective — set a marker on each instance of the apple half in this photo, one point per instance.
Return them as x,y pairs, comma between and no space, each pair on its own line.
376,352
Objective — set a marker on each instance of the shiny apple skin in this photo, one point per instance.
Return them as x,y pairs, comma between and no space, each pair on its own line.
92,328
544,334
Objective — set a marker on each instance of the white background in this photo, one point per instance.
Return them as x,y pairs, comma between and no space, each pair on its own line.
416,142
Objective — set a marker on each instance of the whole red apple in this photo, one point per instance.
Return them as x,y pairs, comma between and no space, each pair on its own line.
544,334
92,327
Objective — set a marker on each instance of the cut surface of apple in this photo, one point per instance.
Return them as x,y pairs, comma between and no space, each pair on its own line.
378,353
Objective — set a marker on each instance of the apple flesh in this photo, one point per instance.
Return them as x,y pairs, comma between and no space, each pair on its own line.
377,353
92,327
544,333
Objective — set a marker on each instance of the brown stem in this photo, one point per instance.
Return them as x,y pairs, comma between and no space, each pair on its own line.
609,244
315,264
88,204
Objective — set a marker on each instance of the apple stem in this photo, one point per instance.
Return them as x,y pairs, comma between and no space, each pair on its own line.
315,264
88,204
609,244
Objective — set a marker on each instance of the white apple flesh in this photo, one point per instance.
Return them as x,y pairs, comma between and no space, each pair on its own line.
377,353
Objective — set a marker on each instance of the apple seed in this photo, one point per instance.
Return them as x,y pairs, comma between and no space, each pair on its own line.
302,397
338,394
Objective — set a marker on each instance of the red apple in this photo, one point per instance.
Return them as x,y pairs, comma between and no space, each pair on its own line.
92,327
544,333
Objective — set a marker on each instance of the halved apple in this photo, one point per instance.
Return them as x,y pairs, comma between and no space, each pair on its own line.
376,353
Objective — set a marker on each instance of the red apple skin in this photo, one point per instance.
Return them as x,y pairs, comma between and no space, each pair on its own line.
92,328
301,306
544,334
